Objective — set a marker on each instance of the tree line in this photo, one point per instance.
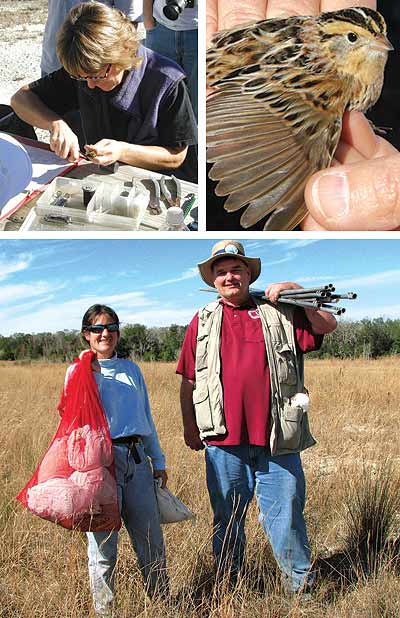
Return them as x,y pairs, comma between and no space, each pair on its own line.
136,341
369,338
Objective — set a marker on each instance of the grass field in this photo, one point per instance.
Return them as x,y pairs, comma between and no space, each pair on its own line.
352,508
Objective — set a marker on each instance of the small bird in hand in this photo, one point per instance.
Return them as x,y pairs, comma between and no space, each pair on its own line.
280,89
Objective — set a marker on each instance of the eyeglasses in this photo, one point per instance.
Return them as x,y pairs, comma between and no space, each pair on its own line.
93,78
98,328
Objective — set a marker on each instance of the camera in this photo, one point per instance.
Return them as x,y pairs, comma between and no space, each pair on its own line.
173,8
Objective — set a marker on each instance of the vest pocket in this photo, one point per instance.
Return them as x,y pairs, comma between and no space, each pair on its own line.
291,427
286,364
201,402
201,352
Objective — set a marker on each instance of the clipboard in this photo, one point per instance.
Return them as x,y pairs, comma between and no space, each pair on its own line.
46,166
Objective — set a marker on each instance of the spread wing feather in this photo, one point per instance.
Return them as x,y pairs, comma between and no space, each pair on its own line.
261,156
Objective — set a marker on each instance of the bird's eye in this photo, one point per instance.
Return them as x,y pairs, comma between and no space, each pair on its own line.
352,37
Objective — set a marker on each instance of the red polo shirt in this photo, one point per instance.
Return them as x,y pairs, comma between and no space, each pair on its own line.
244,371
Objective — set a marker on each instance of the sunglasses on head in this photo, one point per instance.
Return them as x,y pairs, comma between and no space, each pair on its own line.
98,328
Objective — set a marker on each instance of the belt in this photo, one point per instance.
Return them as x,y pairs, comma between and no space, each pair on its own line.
130,442
127,440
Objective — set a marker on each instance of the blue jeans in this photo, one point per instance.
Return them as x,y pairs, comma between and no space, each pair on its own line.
234,473
139,511
180,46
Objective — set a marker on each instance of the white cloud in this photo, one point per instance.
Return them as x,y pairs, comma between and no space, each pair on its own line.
385,277
381,311
15,293
160,317
59,315
191,273
293,243
9,267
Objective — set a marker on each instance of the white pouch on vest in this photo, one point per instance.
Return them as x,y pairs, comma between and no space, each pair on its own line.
171,509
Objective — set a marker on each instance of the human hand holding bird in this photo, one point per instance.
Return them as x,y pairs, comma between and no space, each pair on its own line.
275,116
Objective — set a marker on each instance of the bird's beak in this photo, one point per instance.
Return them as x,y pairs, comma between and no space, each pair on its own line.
382,43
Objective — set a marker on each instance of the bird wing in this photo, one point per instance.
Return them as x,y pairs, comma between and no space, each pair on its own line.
269,127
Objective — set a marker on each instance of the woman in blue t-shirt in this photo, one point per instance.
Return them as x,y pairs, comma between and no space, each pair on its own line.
138,460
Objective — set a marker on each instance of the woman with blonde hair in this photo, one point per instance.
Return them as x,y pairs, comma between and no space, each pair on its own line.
134,103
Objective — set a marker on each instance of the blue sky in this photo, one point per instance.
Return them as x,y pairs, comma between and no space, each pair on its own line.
46,285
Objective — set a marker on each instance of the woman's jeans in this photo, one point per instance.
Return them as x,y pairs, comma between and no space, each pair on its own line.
139,511
234,473
180,46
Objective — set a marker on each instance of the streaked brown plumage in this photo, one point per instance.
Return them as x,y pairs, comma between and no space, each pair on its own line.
281,87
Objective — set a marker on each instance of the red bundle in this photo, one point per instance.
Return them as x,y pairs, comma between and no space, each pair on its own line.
74,484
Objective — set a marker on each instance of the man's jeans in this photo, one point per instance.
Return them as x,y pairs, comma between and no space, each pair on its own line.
139,511
234,473
180,46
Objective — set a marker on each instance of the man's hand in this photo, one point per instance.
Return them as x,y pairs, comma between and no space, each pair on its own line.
274,289
190,430
63,141
321,321
192,437
161,474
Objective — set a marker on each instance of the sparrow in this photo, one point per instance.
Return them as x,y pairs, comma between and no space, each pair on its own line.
280,89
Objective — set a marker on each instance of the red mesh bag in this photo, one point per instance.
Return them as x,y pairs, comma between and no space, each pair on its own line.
74,485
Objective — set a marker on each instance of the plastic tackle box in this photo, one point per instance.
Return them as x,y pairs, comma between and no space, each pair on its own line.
112,207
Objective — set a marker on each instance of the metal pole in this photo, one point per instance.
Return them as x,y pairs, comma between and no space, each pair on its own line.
322,288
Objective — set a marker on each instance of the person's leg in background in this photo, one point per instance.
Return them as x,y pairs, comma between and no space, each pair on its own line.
188,61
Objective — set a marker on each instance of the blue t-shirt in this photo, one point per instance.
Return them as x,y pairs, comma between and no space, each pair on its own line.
125,401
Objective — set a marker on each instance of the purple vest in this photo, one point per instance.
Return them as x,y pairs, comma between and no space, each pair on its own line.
135,105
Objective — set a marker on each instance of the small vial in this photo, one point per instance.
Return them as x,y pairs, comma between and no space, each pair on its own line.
88,190
174,220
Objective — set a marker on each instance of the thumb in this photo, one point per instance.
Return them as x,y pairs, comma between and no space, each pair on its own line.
361,196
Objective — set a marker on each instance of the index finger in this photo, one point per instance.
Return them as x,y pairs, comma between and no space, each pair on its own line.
335,5
284,8
231,13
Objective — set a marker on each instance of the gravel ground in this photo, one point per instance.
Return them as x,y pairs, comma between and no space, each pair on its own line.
22,24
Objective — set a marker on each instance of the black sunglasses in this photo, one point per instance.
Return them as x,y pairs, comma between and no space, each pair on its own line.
98,328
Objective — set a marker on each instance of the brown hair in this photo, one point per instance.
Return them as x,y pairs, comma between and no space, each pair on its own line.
94,312
92,36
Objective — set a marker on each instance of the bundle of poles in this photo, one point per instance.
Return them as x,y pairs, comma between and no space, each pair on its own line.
322,297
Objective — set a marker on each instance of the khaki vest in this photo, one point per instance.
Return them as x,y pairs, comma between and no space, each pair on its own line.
289,428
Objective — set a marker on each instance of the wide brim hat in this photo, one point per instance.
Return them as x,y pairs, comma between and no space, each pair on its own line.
228,249
15,168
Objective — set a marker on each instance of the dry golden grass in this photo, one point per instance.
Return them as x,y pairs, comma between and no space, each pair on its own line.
43,567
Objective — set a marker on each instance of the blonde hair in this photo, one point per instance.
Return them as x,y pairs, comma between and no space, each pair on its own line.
94,35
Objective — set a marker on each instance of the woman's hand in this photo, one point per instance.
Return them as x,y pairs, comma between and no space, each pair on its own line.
63,141
161,474
107,151
95,363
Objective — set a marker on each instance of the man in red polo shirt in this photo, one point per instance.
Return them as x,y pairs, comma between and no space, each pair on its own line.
242,366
